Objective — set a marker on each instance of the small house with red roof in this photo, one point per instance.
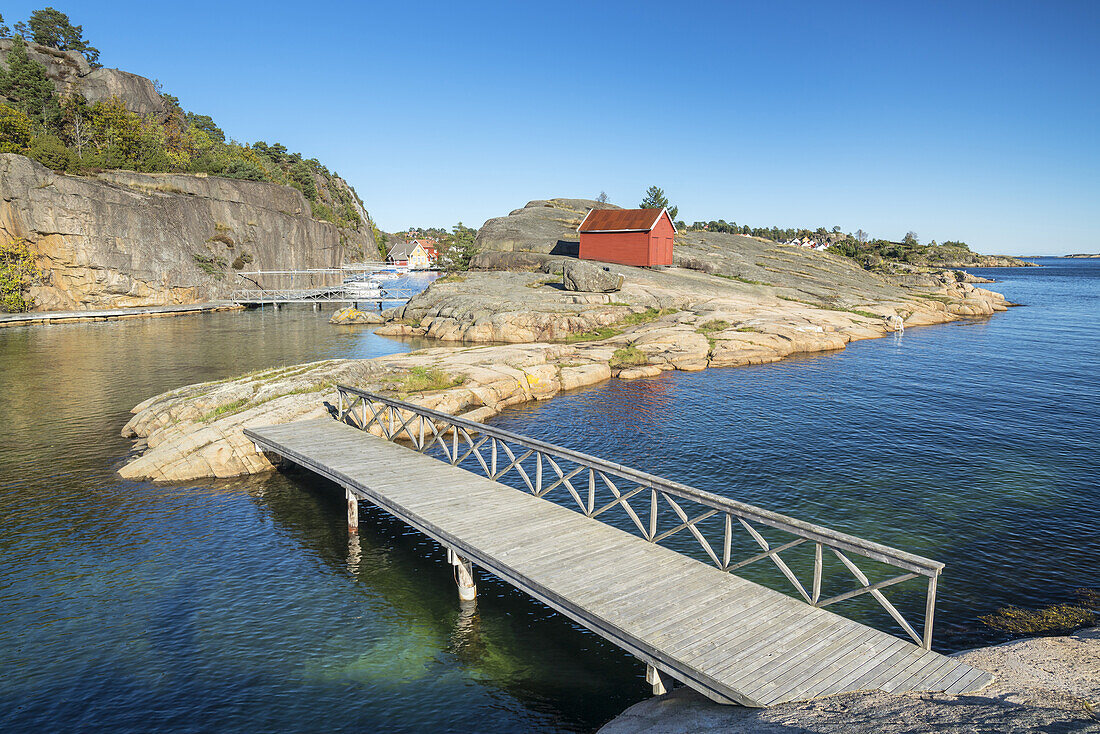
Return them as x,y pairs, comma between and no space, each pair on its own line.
418,254
641,237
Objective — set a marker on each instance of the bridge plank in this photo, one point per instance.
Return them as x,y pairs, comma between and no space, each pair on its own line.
731,639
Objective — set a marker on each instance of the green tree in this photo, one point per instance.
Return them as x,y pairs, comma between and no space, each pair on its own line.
655,199
206,124
303,178
117,134
17,270
50,151
911,239
152,155
27,87
457,248
51,27
16,130
76,122
245,170
5,32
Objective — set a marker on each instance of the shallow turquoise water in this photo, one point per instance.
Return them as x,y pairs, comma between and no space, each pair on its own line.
243,605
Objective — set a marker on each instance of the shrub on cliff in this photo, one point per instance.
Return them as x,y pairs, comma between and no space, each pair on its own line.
51,153
17,269
16,130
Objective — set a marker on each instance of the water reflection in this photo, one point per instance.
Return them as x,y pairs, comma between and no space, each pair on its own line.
245,605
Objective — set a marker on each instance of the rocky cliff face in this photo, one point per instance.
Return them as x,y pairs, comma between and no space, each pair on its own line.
544,225
70,73
132,239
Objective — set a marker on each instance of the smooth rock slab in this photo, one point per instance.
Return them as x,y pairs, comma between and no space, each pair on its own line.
1045,684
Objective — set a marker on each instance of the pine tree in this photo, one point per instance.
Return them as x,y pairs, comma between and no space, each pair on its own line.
51,27
27,87
655,199
458,248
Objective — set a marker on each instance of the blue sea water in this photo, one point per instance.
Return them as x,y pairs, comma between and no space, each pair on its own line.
244,605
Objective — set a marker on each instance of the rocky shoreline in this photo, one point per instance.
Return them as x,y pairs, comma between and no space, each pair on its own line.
1042,684
554,340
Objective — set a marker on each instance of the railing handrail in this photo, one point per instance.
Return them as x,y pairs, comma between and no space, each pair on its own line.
811,531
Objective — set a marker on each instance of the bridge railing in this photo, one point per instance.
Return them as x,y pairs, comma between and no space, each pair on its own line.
663,508
326,285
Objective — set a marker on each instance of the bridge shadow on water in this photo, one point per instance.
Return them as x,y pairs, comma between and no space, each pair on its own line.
506,642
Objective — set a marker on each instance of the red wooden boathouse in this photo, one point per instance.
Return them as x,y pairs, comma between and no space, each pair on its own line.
627,236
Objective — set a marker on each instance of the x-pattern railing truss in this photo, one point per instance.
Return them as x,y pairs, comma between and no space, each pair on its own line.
313,295
585,479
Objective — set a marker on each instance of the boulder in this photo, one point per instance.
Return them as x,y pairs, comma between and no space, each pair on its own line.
352,315
547,226
586,277
894,323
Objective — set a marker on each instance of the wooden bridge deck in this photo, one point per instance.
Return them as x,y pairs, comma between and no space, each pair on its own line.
729,638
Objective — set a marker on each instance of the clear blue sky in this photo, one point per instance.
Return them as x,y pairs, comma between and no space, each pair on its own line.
959,120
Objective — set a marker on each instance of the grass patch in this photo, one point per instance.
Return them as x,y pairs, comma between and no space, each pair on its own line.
715,325
606,332
452,278
603,332
934,297
650,314
221,410
739,279
811,304
747,328
222,238
628,357
541,283
245,403
423,379
210,264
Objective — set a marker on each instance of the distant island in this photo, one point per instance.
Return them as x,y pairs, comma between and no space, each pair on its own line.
1084,255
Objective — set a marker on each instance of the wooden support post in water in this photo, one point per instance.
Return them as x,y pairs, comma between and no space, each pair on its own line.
929,612
464,576
353,511
653,677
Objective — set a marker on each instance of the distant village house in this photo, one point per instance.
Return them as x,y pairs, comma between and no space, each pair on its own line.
418,254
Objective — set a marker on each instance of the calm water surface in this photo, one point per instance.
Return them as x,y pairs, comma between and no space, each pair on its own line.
243,604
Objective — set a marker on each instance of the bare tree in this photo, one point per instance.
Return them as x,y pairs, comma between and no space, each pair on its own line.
861,237
602,198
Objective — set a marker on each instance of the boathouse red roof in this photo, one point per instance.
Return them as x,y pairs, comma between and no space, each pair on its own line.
621,220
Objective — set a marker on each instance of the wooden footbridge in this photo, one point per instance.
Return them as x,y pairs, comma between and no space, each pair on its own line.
693,620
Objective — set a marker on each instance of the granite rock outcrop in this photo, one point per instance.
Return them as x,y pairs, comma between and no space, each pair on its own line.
71,73
1044,684
121,238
